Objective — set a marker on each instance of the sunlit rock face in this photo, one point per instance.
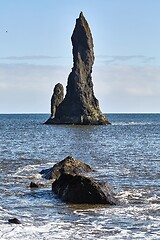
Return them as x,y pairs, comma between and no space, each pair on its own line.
80,105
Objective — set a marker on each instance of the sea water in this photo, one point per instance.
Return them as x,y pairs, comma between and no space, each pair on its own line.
126,154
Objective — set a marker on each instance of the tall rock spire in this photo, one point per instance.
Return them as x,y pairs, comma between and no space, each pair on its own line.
80,105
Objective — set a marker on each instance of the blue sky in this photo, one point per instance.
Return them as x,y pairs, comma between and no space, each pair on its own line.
36,52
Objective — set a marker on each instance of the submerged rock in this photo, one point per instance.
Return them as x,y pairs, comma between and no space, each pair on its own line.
79,189
68,165
80,105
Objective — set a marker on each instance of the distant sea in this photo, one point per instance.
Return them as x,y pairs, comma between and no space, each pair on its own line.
126,154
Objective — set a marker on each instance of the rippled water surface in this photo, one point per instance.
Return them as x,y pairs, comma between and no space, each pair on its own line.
126,154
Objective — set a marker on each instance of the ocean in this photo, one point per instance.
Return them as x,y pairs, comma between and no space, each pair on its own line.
126,154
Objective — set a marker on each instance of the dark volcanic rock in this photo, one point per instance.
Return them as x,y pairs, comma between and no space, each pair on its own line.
14,220
81,190
73,183
57,98
33,185
68,165
80,105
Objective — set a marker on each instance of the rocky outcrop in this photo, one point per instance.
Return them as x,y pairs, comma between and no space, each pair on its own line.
57,98
69,166
73,183
80,105
79,189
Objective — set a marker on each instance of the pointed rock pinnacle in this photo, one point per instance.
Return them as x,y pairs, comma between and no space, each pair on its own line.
80,105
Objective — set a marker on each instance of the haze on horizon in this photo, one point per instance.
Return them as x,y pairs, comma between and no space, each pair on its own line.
36,53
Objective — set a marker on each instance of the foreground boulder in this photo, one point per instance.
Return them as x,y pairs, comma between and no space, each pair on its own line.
68,165
79,189
80,106
73,183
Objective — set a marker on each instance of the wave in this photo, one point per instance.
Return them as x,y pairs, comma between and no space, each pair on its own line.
31,171
130,222
134,123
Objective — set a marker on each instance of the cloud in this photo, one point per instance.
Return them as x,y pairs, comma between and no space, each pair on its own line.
134,80
129,59
118,87
102,58
28,87
40,57
128,88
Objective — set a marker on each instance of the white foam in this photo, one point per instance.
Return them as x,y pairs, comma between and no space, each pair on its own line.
89,222
47,231
153,199
31,171
60,229
130,123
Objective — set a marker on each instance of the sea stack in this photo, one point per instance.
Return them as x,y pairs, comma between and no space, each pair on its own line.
80,105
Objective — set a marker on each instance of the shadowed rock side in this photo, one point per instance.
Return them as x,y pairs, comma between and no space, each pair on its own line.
80,106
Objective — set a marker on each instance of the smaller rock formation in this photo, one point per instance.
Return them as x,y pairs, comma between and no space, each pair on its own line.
57,98
80,106
68,165
14,220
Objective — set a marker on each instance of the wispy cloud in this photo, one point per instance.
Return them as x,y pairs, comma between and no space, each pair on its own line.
40,57
126,59
104,58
